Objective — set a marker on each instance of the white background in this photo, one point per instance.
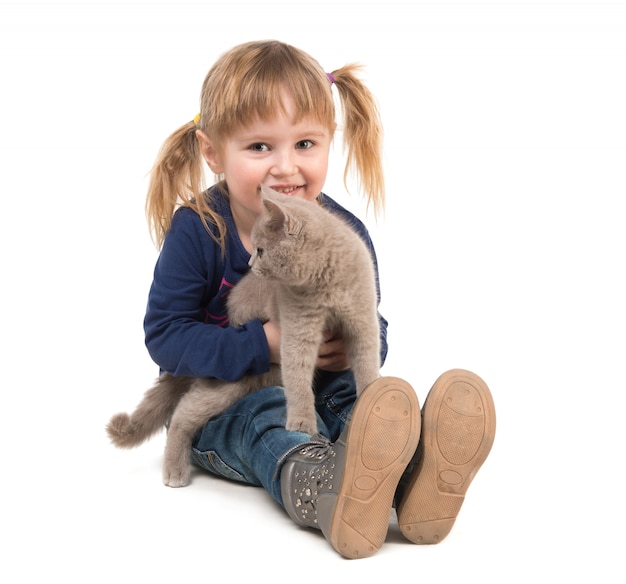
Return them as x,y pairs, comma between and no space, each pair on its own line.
502,251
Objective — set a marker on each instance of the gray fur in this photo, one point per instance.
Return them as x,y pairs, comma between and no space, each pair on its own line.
311,273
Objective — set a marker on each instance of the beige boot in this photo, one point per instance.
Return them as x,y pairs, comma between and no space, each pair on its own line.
346,489
458,429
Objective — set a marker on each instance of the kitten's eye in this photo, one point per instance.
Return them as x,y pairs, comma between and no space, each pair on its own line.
259,252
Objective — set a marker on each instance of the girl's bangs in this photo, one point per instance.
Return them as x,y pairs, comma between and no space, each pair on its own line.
251,83
261,99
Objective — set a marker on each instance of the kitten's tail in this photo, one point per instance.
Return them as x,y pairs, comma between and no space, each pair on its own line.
153,412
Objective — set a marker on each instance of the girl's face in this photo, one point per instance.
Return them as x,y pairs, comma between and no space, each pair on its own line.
289,157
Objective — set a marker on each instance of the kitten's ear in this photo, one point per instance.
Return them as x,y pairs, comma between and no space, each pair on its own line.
277,218
280,219
294,225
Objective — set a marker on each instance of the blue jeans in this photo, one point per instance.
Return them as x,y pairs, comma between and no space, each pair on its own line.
248,442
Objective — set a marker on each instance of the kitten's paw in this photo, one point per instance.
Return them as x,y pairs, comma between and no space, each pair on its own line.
299,424
177,477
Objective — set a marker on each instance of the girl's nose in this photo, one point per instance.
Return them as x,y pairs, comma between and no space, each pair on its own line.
284,164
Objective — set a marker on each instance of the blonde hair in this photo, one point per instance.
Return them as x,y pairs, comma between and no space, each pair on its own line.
245,85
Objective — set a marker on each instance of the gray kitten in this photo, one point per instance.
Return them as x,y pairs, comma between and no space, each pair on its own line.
310,273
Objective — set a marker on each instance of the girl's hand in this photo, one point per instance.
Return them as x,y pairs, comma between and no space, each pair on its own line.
272,333
332,354
330,357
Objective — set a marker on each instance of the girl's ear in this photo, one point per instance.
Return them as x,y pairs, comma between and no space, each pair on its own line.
209,152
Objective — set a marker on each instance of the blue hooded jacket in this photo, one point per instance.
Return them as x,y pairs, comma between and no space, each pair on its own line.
186,325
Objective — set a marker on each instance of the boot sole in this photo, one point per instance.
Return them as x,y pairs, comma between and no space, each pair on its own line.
458,430
382,437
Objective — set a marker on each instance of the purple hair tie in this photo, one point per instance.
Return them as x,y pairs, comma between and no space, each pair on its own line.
331,78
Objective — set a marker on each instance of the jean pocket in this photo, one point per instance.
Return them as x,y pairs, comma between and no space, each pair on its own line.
211,461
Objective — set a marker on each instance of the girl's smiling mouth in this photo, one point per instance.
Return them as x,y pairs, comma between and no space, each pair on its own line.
286,189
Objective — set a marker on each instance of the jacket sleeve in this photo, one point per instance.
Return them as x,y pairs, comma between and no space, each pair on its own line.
384,347
176,333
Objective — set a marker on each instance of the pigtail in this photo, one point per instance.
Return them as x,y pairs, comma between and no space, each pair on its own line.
177,179
362,135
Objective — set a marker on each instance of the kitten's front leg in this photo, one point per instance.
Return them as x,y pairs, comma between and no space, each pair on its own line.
299,347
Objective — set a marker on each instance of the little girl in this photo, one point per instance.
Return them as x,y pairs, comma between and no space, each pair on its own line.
267,117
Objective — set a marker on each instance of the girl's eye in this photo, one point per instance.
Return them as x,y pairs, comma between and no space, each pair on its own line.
304,144
259,147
